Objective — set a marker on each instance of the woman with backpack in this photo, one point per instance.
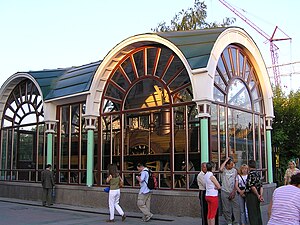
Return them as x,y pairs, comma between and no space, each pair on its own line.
115,181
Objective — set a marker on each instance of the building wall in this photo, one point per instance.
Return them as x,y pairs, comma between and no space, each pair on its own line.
173,203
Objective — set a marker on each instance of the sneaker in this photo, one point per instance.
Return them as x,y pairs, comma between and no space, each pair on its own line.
110,221
148,218
123,217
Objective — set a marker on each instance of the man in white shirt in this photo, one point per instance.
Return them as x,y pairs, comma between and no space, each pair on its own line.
144,196
201,184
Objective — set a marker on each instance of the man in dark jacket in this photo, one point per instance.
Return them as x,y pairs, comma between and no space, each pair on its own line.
47,179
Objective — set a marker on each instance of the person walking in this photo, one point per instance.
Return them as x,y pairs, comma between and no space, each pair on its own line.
47,180
254,194
240,186
290,171
211,196
228,192
144,196
284,207
114,181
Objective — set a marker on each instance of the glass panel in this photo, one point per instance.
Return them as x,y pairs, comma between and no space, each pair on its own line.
174,68
180,79
165,56
247,71
222,69
110,106
228,62
223,132
151,55
214,134
4,153
219,81
184,95
218,95
194,146
241,64
234,59
139,62
240,136
127,67
146,93
119,79
114,92
41,149
238,95
263,145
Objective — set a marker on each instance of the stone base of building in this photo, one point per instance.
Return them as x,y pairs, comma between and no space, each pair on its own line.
173,203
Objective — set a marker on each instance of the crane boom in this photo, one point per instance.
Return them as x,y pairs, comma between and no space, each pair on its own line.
270,39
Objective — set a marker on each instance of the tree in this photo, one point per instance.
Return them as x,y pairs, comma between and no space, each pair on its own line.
191,19
286,138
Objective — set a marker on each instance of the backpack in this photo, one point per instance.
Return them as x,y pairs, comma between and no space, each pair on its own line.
152,181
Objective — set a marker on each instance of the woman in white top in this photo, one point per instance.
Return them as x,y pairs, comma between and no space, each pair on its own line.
212,186
240,186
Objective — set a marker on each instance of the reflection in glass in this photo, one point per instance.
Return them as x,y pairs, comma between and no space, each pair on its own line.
238,95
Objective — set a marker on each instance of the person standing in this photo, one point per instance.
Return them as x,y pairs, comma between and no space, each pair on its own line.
290,171
254,194
228,192
144,196
284,207
114,181
47,180
202,191
211,196
240,186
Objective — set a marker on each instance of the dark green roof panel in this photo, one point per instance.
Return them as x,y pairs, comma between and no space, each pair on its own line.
74,80
195,45
47,79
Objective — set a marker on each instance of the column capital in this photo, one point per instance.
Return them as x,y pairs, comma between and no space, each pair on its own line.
203,106
50,126
90,122
269,121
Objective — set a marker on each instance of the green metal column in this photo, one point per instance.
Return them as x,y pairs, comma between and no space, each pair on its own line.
49,148
90,158
270,158
204,140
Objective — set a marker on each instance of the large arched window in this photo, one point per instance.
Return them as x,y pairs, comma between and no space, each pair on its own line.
237,120
23,139
147,115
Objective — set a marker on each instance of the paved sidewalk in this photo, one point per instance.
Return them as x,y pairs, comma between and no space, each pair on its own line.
22,212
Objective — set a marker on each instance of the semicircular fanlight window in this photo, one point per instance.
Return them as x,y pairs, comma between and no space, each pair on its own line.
24,106
147,77
236,81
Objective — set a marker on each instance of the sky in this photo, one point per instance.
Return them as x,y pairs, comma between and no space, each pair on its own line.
50,34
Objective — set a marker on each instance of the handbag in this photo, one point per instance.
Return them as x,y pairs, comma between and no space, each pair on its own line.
106,189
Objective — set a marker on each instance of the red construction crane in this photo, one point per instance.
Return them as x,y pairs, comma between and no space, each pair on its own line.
273,47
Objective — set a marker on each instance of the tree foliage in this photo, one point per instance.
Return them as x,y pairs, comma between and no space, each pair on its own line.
191,19
286,138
